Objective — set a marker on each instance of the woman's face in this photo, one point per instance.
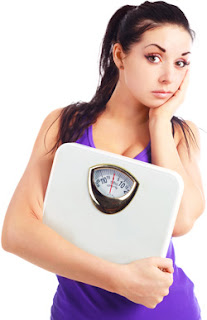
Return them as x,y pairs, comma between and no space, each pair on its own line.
157,63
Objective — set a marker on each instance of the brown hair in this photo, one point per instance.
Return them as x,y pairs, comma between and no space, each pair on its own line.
126,27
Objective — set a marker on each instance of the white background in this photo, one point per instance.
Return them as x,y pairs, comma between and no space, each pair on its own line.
49,59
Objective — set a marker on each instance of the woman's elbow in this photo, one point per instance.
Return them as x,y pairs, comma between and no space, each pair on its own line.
185,222
181,230
7,238
12,234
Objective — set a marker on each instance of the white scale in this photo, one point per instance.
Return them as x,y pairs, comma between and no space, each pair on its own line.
112,206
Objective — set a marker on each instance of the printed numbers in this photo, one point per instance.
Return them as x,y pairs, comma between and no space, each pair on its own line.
122,184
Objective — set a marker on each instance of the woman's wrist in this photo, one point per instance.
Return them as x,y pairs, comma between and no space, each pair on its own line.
114,274
115,278
156,121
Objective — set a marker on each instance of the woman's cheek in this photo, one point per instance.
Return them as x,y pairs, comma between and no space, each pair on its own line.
134,81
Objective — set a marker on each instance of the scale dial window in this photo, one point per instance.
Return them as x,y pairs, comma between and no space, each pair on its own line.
111,187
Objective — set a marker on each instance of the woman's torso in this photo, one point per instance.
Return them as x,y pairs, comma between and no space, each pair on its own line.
79,301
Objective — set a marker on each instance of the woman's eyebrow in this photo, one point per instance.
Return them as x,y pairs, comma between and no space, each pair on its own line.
164,50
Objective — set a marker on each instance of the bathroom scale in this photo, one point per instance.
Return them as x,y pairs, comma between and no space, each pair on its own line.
112,206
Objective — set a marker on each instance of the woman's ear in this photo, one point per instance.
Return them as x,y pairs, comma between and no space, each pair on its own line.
118,55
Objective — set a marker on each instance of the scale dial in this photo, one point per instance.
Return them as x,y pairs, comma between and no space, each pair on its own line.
111,187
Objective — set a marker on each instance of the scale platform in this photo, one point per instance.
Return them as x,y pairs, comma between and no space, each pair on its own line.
112,206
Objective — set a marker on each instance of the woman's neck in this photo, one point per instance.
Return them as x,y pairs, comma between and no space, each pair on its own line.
125,109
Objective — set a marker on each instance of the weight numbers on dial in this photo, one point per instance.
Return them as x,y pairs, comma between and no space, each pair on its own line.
111,187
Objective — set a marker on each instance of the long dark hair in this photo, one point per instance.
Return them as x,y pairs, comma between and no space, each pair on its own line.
126,27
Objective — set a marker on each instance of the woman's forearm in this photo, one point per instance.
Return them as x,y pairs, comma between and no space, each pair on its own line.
165,154
42,246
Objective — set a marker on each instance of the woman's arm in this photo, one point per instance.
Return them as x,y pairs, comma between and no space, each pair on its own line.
24,234
165,154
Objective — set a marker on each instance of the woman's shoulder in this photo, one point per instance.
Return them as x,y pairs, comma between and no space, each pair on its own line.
51,125
193,130
53,115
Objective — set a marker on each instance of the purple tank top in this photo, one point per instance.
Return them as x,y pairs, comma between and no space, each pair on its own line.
75,300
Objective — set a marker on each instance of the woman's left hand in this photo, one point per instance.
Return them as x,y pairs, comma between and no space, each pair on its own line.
168,109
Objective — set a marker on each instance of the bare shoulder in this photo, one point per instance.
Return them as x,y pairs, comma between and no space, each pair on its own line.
27,200
194,131
191,165
193,128
40,163
194,142
48,133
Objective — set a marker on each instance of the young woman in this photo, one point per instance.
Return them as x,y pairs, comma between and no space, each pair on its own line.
144,75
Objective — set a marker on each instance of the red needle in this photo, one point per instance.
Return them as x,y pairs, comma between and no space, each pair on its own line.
112,182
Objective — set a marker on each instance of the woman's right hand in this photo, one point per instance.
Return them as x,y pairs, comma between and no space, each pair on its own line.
145,281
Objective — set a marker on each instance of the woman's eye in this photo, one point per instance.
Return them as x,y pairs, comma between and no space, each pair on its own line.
155,59
183,63
152,58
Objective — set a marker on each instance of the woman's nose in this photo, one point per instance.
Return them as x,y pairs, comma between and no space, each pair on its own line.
167,74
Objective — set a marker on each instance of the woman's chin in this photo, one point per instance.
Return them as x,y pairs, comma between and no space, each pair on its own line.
155,105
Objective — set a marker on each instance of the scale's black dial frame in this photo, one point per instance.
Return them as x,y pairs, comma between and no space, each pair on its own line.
106,204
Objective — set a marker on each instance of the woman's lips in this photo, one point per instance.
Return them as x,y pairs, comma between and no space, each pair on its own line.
161,95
